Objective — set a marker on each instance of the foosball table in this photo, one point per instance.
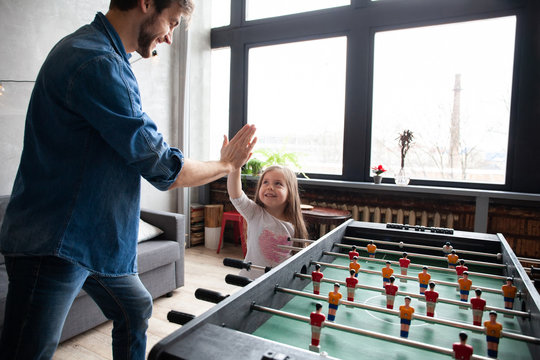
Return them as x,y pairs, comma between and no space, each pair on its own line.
269,318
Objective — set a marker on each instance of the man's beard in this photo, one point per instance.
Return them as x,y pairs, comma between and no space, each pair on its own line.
146,37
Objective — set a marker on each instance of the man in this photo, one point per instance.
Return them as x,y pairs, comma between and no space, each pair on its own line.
465,285
493,331
72,221
386,272
478,306
316,319
462,351
351,283
431,299
405,314
423,280
334,299
390,291
316,277
404,263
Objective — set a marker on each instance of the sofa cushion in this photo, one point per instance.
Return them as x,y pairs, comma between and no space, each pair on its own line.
148,231
155,253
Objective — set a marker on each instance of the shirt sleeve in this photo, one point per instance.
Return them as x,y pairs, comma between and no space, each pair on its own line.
105,93
245,206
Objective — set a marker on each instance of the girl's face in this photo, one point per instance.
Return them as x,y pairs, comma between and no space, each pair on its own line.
273,192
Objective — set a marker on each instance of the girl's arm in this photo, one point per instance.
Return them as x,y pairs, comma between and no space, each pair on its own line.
234,184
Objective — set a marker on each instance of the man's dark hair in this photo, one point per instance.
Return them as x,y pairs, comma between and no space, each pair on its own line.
124,5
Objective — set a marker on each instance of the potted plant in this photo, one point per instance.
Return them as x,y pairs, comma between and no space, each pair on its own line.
405,140
377,170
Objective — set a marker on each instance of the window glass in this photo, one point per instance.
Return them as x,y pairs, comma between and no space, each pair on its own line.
221,13
451,86
296,98
219,98
260,9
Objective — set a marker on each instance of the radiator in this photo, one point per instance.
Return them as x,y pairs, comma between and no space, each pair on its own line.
391,215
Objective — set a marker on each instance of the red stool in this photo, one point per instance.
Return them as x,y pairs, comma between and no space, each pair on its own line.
239,232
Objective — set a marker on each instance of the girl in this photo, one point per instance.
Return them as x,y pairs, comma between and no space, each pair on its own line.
273,218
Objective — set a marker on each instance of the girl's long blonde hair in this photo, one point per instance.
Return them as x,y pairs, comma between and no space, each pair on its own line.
292,211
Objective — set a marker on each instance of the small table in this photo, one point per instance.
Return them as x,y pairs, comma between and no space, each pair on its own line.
323,217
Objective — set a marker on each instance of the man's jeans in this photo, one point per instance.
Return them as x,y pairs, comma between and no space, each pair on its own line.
41,291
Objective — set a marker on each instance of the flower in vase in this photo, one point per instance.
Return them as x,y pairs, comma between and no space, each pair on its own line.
378,170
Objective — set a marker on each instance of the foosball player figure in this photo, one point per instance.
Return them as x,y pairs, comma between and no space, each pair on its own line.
351,282
316,319
493,331
354,265
423,280
316,277
478,306
464,287
390,291
371,249
334,299
462,351
453,260
460,269
509,293
404,263
447,249
386,273
353,253
405,314
431,299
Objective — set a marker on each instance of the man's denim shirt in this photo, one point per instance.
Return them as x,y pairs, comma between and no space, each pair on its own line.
86,144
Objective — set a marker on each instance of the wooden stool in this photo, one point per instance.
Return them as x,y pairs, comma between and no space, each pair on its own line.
239,223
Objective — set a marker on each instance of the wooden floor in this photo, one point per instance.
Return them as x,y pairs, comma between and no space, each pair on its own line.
203,268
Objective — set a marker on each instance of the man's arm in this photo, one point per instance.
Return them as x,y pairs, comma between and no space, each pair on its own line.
234,154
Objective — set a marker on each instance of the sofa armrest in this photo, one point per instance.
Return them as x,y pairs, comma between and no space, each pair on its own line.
173,227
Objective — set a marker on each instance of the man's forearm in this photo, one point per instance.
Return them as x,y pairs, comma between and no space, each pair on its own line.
196,173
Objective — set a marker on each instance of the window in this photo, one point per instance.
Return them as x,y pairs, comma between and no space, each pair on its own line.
259,9
296,97
219,98
451,86
221,13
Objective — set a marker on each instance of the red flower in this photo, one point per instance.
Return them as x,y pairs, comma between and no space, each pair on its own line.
378,170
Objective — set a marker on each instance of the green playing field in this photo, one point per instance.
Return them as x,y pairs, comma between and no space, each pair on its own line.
346,345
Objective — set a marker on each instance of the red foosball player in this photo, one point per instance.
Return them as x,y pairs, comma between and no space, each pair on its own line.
386,273
353,253
447,249
371,249
390,291
404,263
354,265
351,282
478,305
334,299
423,280
493,331
462,351
316,277
431,299
452,260
464,287
405,314
316,319
461,268
509,293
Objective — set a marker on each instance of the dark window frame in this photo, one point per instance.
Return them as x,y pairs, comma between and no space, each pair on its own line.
359,22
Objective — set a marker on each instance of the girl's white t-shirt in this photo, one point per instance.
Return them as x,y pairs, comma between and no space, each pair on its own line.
264,234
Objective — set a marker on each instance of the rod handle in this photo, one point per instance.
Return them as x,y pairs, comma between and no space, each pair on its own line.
235,263
237,280
180,318
209,295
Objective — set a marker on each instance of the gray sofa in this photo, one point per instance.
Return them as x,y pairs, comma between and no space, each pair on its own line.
160,264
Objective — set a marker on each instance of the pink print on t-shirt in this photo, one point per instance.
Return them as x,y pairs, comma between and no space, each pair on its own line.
268,242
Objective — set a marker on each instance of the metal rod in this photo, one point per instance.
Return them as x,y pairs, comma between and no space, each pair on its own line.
440,282
471,273
478,329
421,297
288,247
427,247
431,257
529,260
369,333
307,241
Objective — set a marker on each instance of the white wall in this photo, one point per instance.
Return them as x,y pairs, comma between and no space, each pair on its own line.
28,31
